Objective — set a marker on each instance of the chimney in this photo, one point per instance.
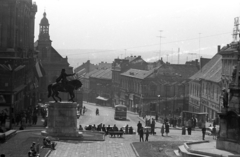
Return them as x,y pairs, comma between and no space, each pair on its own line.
219,48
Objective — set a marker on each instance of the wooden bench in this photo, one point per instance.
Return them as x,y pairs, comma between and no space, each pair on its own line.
7,135
113,133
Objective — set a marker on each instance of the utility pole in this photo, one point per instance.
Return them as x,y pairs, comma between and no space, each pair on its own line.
178,54
125,52
160,43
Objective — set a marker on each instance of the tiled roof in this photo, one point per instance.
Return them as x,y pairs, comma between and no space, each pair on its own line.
91,73
212,71
140,74
95,75
105,74
102,74
183,70
81,72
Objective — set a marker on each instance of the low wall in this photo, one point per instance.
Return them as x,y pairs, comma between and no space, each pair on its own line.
228,145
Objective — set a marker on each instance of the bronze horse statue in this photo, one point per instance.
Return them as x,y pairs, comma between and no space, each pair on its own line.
55,88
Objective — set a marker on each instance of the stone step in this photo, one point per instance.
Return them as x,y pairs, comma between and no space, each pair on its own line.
185,153
177,152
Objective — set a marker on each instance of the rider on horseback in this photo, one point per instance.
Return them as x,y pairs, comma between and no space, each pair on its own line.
63,78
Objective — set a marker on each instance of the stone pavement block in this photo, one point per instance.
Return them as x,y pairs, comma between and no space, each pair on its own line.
110,148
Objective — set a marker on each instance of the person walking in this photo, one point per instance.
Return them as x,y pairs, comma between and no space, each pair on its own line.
214,132
162,129
167,128
139,125
153,127
147,134
141,134
203,132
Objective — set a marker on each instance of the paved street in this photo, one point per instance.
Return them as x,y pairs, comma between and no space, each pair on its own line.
118,147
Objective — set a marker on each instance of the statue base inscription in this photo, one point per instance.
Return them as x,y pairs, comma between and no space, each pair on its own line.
62,121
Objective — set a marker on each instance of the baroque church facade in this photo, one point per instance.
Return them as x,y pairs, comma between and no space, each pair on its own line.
50,59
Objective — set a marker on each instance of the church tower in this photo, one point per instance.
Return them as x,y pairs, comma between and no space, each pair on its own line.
44,28
44,42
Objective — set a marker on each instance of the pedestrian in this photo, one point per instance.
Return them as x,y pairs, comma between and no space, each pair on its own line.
141,134
139,125
126,129
147,134
167,128
183,130
153,127
162,129
214,132
203,132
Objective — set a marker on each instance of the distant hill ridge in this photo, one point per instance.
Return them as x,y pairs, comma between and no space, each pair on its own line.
78,56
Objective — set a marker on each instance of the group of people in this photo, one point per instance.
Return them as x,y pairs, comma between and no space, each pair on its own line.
106,129
213,132
165,128
47,143
34,150
150,123
141,132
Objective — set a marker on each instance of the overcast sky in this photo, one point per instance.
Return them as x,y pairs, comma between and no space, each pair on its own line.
135,25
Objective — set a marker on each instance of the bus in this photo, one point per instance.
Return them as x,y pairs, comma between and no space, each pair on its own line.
120,112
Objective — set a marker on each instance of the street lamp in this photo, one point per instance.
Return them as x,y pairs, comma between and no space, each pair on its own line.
159,103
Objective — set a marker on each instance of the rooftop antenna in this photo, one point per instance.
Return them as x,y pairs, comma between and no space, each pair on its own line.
160,43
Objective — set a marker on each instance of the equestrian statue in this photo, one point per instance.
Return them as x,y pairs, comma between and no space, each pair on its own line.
63,85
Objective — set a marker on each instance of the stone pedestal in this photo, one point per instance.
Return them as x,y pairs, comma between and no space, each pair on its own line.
62,121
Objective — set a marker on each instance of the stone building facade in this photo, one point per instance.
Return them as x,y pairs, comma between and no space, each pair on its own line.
205,88
122,65
17,92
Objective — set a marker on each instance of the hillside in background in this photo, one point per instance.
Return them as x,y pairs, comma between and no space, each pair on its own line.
77,56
